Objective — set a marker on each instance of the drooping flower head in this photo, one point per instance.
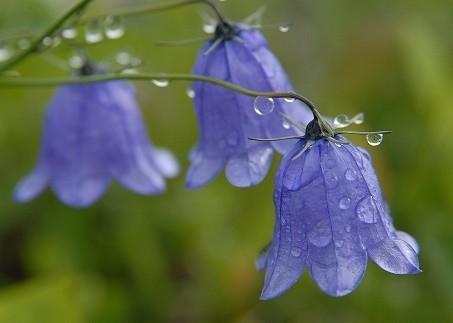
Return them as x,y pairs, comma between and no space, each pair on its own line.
330,218
239,54
94,133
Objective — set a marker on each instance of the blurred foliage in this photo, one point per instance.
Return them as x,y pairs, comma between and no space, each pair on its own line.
188,256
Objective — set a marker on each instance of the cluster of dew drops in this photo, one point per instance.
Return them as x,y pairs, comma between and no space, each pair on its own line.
264,106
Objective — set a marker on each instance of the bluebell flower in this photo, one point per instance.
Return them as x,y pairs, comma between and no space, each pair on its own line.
94,133
226,119
330,218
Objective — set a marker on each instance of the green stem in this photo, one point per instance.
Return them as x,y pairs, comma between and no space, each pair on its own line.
22,82
48,32
384,132
159,7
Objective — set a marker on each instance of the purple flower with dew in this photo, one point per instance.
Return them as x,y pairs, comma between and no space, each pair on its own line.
241,55
330,218
92,134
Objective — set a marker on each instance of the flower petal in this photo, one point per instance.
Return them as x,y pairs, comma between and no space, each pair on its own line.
32,185
249,169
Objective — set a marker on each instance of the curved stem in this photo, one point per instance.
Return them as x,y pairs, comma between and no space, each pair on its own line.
48,32
158,7
384,132
22,82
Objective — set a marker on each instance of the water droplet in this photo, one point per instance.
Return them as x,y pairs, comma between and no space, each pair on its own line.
23,43
350,174
161,83
123,58
48,41
375,139
69,33
290,100
367,211
339,243
341,121
338,145
5,52
286,125
113,27
296,251
209,28
284,28
345,203
93,32
321,235
263,105
76,61
358,119
190,93
347,228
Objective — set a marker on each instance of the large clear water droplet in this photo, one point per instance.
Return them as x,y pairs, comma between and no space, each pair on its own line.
284,28
113,27
341,121
375,139
263,105
161,82
93,32
69,33
367,211
286,125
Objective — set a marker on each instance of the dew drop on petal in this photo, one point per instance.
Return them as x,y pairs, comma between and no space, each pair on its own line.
345,203
296,251
321,235
341,121
113,27
350,174
263,105
93,32
375,139
339,243
284,28
347,228
286,125
290,100
161,83
190,93
69,33
367,211
331,180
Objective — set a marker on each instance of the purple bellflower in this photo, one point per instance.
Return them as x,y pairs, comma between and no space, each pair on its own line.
241,55
330,218
92,134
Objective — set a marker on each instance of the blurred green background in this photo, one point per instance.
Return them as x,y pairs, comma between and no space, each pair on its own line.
189,256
